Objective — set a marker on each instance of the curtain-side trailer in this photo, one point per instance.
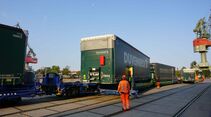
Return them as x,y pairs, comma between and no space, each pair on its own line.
164,74
105,58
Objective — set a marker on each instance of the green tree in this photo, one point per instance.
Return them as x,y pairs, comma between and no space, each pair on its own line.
47,69
178,73
43,70
66,71
40,71
193,64
55,68
78,73
183,68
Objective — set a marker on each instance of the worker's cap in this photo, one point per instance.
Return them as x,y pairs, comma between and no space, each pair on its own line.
123,76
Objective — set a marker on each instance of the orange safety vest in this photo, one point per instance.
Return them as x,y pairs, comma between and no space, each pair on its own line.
124,86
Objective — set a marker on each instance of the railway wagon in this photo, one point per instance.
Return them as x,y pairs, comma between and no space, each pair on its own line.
105,58
163,74
15,82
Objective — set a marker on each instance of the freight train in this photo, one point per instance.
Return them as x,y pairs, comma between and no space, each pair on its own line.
15,80
103,61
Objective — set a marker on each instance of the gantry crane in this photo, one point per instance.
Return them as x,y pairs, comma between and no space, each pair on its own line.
30,56
202,41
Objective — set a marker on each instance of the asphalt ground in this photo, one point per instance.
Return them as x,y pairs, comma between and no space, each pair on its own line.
192,102
179,101
166,101
114,109
201,107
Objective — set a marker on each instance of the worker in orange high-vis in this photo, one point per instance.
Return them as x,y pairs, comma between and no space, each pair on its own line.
124,90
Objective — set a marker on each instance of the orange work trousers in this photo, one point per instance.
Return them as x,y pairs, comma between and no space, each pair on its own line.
125,101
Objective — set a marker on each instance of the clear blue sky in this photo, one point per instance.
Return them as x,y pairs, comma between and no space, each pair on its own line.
162,29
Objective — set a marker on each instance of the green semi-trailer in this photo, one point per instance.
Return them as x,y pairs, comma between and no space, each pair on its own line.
13,51
162,73
105,58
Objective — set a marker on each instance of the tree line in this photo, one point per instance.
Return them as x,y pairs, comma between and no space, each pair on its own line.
55,68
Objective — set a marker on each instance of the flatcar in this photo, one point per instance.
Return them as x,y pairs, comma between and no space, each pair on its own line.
53,83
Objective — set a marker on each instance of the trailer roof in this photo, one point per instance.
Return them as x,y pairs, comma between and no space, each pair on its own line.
111,36
98,37
132,47
11,28
163,64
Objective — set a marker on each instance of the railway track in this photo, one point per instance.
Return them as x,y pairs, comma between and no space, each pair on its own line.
182,110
